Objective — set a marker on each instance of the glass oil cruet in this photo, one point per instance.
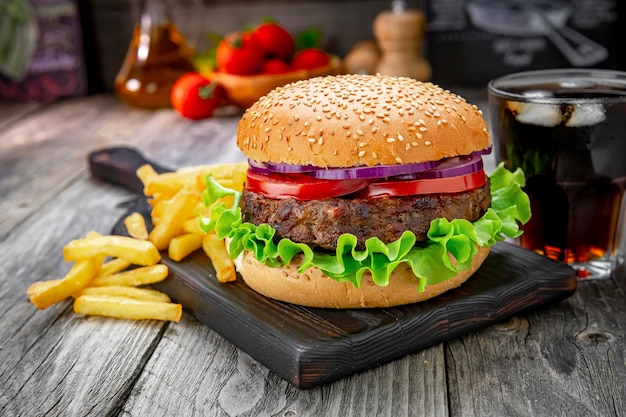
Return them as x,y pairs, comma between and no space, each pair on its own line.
157,56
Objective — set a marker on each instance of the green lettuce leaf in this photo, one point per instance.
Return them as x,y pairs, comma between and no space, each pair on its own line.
430,261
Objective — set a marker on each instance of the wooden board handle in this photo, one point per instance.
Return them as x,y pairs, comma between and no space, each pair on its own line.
119,166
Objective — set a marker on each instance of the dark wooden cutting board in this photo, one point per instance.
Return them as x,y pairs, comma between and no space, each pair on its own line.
313,346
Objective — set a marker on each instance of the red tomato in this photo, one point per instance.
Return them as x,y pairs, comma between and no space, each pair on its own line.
196,97
274,66
424,186
309,58
275,40
239,53
299,186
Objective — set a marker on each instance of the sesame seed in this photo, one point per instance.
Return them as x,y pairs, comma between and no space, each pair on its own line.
414,144
361,154
391,140
359,132
423,129
407,146
318,118
362,144
374,155
312,140
399,160
427,143
400,137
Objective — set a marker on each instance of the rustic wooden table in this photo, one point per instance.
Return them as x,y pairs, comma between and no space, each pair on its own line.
568,359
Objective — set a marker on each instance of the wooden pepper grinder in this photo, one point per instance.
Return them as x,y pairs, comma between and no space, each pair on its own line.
399,34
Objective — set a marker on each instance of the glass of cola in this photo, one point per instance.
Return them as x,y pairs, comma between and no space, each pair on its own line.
566,129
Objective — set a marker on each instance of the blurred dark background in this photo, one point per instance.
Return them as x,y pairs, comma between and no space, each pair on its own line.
467,42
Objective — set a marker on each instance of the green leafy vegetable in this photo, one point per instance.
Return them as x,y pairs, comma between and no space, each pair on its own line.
19,32
430,260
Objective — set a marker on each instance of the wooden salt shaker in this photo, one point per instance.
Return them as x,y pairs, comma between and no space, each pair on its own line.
399,33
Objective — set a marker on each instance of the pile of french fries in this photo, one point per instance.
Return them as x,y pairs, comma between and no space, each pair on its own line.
176,199
102,282
109,273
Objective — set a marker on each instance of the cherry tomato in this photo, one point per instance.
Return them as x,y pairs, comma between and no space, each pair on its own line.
239,53
299,186
275,40
274,66
424,186
309,58
196,97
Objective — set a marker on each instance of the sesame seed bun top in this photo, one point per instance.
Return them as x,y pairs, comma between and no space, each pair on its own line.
360,120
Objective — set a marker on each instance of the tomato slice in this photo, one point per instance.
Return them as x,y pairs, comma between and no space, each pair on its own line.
299,186
424,186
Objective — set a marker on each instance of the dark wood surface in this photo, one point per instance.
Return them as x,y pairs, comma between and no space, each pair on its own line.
563,359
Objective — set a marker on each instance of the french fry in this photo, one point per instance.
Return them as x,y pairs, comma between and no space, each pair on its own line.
99,260
129,292
216,251
159,197
172,219
40,286
239,178
127,308
192,226
229,175
159,208
113,266
136,226
138,252
146,173
183,245
77,278
170,182
133,277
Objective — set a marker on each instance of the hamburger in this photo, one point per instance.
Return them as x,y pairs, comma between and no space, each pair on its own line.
364,191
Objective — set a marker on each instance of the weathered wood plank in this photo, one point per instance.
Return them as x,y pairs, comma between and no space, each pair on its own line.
12,111
565,360
41,155
55,362
217,379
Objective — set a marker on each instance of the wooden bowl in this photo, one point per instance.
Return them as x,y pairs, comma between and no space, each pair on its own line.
245,90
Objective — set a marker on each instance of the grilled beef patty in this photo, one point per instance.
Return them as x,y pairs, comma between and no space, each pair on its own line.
321,222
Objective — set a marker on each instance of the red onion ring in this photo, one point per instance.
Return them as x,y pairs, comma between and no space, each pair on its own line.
431,169
379,171
451,167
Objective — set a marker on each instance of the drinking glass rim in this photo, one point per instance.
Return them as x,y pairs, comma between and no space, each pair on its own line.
606,77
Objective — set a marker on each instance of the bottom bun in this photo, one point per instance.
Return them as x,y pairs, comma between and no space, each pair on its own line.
314,289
